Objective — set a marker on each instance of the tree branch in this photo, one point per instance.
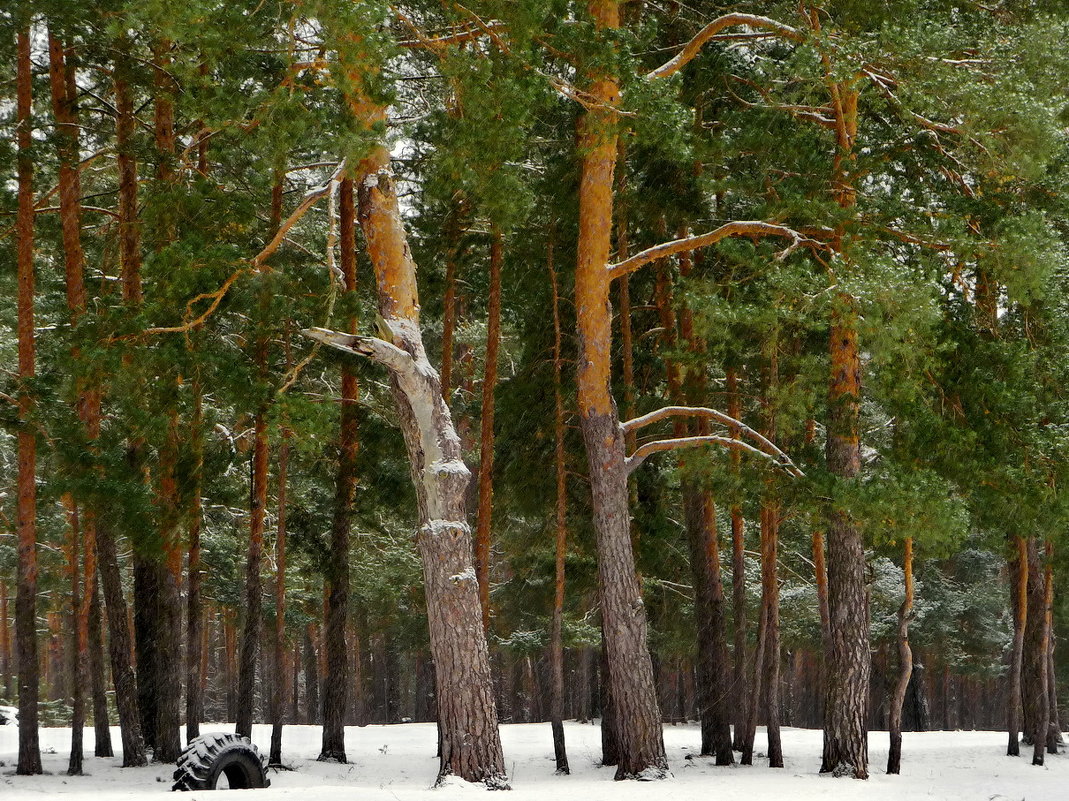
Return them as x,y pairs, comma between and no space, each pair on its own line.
694,46
306,203
378,350
751,228
635,460
256,262
766,446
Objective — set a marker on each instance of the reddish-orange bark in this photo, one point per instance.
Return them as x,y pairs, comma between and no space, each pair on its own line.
29,759
486,425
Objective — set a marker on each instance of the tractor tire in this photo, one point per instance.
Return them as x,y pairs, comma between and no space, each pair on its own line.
210,756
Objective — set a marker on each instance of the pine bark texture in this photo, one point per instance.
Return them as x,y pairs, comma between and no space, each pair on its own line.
848,660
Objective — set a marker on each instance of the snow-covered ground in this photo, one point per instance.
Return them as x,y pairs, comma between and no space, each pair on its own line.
396,763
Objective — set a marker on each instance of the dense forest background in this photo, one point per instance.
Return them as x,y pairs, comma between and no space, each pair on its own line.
221,510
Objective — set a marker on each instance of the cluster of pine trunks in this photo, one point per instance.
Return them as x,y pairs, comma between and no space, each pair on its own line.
390,685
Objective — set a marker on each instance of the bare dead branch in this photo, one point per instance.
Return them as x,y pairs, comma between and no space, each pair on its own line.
635,460
378,350
694,46
765,445
751,228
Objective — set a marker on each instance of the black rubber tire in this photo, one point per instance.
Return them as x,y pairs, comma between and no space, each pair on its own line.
210,756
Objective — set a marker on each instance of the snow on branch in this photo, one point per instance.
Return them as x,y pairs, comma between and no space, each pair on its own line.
378,350
765,446
750,228
710,31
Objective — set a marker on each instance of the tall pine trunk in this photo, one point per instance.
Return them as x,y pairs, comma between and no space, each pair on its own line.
742,692
847,661
250,635
335,688
484,518
29,759
195,628
167,623
470,743
278,696
98,678
634,697
64,94
556,644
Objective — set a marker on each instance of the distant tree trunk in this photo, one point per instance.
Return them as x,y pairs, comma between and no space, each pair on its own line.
168,611
195,650
278,696
127,691
770,521
147,577
556,644
98,679
848,661
311,678
29,759
770,597
250,635
486,436
1037,645
295,685
1054,726
905,664
77,694
64,95
336,684
740,689
753,709
5,645
1019,604
699,514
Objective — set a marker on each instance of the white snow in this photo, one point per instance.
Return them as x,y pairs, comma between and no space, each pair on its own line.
450,466
397,763
437,527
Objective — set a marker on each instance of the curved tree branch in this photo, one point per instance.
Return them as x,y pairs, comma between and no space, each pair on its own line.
635,460
709,32
764,445
750,228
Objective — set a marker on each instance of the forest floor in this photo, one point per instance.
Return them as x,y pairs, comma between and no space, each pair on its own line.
396,763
